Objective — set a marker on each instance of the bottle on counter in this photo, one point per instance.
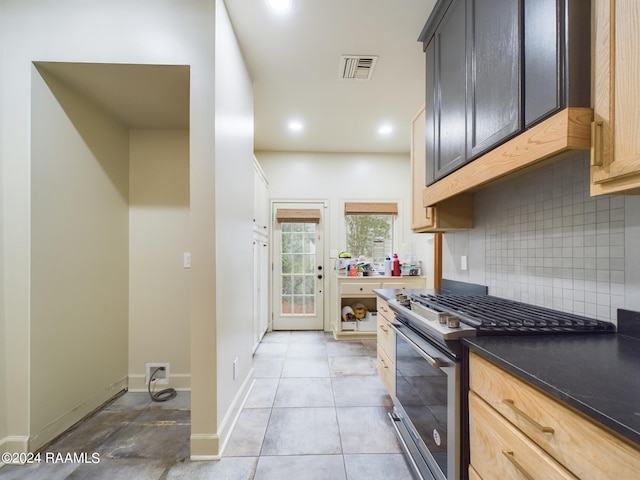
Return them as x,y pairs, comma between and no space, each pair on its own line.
387,266
396,265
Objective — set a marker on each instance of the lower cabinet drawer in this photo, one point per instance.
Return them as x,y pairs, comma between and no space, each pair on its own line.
386,337
500,451
583,447
358,288
386,370
383,307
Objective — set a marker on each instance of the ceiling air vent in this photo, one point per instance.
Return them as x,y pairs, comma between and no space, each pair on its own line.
356,67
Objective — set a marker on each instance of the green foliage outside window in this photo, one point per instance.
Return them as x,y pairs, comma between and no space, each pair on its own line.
363,229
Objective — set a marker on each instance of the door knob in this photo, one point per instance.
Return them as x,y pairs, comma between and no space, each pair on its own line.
319,267
320,276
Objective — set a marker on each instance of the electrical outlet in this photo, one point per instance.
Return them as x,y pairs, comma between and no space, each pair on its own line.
463,262
160,372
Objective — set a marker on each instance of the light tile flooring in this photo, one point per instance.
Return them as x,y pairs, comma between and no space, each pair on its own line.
317,411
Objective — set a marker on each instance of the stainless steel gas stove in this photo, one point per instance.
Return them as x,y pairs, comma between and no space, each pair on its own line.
431,372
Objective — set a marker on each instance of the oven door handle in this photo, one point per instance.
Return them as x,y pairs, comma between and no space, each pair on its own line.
434,362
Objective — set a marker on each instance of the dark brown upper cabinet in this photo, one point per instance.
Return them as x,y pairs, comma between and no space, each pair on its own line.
497,67
493,47
557,57
450,87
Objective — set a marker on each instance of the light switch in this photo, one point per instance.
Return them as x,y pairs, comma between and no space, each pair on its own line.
187,259
463,262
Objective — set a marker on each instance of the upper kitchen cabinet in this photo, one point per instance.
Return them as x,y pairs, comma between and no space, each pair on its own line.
446,53
526,96
456,214
615,156
473,71
556,62
493,79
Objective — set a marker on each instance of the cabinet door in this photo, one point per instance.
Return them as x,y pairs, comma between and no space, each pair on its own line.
260,202
493,85
616,143
450,57
430,116
541,59
420,216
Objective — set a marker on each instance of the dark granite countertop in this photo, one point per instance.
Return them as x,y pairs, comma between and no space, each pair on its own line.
597,374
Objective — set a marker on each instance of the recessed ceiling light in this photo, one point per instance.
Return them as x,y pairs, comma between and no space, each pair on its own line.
295,126
280,5
385,129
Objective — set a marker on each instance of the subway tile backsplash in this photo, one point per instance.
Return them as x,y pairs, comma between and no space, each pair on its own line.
548,243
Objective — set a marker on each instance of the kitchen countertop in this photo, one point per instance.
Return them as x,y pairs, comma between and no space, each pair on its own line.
597,374
390,293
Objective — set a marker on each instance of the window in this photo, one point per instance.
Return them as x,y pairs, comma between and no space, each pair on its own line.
369,228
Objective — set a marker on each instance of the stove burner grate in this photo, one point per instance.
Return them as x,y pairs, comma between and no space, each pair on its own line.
494,314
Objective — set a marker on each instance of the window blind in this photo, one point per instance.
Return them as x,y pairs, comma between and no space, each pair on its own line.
298,215
370,208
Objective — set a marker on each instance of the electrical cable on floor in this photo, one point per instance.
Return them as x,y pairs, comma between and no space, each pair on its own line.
162,395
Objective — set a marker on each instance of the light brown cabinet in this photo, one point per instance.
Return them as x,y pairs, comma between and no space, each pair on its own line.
452,214
517,431
348,291
615,155
386,346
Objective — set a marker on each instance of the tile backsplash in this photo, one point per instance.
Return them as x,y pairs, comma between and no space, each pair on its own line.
548,243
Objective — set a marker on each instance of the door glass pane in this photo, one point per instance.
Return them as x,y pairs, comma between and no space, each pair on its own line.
298,268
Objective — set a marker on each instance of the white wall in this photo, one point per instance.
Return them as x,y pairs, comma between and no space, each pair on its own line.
3,336
337,178
542,239
106,31
234,222
79,258
159,330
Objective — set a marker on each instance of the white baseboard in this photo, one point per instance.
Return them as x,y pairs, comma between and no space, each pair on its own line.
231,418
13,444
203,447
201,443
64,422
180,381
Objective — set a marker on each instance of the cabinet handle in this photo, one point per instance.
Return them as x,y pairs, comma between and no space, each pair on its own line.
596,142
384,365
384,329
510,403
510,456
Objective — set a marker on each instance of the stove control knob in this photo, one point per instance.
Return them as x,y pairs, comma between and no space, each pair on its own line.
453,322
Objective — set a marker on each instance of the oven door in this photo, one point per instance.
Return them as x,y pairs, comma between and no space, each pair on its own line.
427,405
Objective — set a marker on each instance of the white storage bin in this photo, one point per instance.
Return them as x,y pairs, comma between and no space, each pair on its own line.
368,323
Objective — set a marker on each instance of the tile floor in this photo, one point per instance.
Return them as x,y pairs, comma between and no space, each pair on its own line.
317,411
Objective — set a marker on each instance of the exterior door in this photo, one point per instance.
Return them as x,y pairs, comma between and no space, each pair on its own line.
298,272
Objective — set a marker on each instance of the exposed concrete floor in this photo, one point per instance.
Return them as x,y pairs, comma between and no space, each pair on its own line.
317,411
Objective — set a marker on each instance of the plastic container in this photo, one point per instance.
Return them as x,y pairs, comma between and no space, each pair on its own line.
387,266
